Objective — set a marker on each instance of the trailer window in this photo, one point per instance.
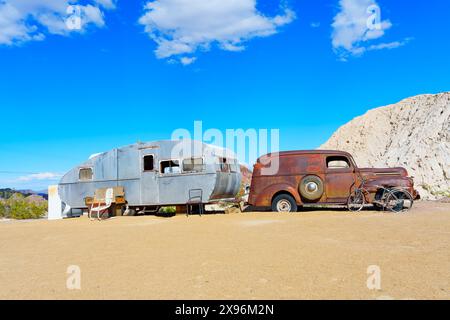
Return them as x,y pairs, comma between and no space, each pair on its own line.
170,166
193,165
148,163
85,174
223,164
337,162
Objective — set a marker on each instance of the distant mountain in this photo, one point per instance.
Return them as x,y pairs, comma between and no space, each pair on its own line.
26,191
6,193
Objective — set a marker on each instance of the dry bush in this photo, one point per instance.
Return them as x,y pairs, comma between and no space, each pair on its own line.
18,207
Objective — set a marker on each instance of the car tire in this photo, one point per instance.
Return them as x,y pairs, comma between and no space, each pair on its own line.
284,203
311,187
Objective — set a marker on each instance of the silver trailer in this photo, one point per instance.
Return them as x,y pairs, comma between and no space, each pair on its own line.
154,174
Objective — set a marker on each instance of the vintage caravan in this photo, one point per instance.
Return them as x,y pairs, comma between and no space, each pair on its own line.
154,174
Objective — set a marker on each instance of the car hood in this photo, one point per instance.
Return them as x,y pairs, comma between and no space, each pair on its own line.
398,171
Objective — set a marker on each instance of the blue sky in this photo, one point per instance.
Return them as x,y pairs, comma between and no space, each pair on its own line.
136,74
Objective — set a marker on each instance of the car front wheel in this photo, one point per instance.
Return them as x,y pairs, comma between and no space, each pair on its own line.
284,203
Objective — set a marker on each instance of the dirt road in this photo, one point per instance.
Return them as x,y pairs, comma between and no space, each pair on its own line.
306,255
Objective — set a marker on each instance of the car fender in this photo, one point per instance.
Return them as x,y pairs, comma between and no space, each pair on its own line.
388,181
265,197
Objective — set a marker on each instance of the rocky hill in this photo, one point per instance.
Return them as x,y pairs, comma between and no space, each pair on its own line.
6,193
414,133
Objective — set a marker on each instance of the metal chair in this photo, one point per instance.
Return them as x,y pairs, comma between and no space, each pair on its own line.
195,198
109,197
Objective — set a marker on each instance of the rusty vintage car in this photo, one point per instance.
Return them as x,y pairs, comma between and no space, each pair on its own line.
326,177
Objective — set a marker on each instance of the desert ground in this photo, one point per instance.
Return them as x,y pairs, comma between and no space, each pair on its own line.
316,254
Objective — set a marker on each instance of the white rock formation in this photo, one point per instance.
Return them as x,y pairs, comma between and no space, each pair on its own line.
414,133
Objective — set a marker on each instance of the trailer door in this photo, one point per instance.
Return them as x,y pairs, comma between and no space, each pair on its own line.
149,171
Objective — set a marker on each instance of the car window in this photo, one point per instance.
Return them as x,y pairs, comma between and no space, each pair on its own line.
337,162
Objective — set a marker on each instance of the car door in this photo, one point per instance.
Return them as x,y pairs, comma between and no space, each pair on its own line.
339,178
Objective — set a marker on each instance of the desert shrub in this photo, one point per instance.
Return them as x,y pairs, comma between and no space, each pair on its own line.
170,210
17,207
2,209
436,193
441,193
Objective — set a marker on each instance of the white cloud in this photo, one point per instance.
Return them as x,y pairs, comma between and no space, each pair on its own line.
388,45
22,21
40,176
357,24
93,15
187,60
107,4
182,27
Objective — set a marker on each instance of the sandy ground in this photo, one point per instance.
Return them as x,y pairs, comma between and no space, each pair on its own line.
306,255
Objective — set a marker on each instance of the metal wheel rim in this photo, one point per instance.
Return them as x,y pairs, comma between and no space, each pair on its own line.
405,199
311,187
391,202
284,206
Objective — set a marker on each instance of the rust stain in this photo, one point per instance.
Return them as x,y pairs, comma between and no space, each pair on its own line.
337,182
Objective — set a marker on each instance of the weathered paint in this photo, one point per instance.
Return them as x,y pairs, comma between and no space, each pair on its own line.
338,183
124,167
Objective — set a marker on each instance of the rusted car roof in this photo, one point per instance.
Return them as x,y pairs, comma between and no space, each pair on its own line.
304,152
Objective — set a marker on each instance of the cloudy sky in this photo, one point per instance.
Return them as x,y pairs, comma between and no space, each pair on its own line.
79,77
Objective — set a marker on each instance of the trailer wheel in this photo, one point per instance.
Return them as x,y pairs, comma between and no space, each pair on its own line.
284,203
